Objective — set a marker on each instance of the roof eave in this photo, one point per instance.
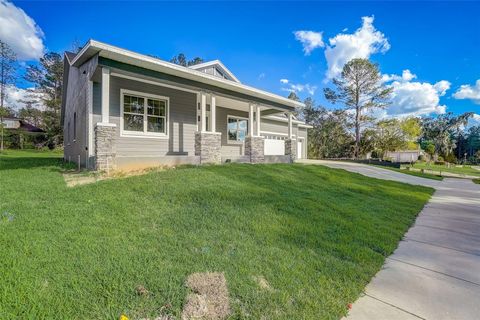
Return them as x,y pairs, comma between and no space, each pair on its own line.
93,47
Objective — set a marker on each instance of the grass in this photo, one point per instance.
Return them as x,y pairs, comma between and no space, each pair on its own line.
462,170
413,173
477,181
317,235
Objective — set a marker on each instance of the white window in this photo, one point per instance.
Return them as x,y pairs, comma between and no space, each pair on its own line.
144,114
237,128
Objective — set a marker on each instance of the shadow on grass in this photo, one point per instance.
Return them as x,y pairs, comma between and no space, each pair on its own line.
14,163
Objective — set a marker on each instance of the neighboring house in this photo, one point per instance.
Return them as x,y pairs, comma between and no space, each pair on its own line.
126,110
17,124
403,156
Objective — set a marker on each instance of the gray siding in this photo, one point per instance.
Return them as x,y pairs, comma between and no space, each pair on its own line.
181,123
76,143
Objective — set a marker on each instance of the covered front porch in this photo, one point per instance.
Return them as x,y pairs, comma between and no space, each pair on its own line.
232,130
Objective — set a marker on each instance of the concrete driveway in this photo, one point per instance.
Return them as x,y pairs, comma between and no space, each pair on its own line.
435,271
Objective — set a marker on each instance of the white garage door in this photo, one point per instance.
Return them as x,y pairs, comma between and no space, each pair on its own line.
299,149
274,147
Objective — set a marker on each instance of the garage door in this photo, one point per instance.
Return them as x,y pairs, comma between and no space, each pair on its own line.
274,147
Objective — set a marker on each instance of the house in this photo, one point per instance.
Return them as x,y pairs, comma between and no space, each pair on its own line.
125,110
403,156
19,125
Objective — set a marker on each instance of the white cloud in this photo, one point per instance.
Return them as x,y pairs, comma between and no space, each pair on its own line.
364,42
406,76
300,88
261,75
417,98
469,92
20,32
17,96
474,120
310,40
284,81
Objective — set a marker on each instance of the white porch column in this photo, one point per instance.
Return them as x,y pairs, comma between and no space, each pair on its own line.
203,111
290,129
105,95
213,113
250,120
257,120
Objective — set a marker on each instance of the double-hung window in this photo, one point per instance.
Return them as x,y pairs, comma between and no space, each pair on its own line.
144,114
237,128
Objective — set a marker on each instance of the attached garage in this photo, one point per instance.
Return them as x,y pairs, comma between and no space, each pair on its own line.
274,146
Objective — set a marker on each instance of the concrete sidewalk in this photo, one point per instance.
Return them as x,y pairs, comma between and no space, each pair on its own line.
435,271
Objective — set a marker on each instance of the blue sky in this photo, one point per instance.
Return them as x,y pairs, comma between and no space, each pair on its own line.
439,43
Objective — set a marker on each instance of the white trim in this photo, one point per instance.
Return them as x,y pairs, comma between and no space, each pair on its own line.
276,134
257,121
90,118
126,56
103,124
250,120
156,83
144,133
290,125
213,113
300,124
105,95
215,63
203,111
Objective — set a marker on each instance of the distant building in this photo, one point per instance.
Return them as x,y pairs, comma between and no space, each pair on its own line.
13,123
403,156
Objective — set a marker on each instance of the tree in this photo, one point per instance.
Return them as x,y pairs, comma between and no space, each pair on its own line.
298,112
48,80
330,136
359,89
181,59
442,131
8,61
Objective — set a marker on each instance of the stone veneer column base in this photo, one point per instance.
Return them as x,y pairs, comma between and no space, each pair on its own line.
207,146
105,146
254,148
291,149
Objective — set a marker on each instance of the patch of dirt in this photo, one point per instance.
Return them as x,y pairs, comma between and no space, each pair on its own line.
141,290
78,179
262,283
209,298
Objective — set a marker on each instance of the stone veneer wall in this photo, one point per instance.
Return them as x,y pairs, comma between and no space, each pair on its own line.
254,148
291,149
208,147
105,147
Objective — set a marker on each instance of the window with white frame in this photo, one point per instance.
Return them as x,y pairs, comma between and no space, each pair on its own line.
237,128
144,114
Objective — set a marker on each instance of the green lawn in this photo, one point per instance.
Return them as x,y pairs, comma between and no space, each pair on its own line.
317,235
465,170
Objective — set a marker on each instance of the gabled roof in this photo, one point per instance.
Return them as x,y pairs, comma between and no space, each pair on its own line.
107,51
217,64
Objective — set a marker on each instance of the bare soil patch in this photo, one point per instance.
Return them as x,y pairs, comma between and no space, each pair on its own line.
209,298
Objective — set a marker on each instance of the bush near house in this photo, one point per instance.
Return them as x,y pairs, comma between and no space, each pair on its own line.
315,235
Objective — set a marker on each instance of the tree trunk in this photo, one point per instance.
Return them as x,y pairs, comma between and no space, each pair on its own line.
357,132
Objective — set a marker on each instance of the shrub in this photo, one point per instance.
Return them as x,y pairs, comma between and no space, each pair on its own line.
440,163
422,158
451,158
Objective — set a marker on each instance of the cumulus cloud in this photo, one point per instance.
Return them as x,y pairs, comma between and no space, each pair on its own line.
364,42
406,76
284,81
467,91
413,98
300,88
310,40
20,32
16,97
